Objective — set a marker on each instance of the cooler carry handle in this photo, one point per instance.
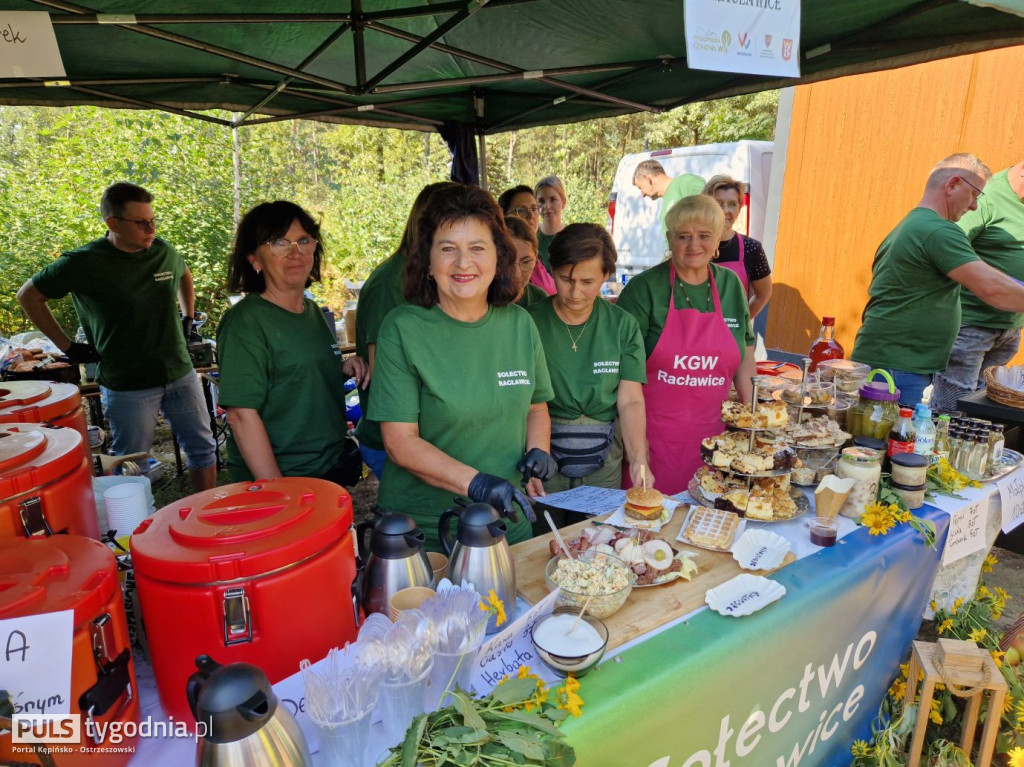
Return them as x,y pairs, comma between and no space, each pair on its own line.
33,521
237,617
113,682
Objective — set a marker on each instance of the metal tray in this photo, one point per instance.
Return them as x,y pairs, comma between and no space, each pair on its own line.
803,505
1011,459
759,475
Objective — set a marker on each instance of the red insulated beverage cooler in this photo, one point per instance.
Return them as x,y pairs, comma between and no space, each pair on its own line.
69,572
258,572
55,404
45,482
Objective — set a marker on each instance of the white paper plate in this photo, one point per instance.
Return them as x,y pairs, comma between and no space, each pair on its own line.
743,595
619,518
760,549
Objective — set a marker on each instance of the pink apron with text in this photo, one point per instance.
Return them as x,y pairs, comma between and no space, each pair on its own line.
699,350
739,267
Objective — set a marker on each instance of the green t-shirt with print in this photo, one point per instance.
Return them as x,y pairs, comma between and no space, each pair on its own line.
287,367
682,186
128,306
469,386
532,295
996,232
381,293
609,349
913,310
646,298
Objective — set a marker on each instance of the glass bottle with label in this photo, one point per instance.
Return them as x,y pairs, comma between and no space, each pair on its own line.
996,442
825,347
901,438
942,438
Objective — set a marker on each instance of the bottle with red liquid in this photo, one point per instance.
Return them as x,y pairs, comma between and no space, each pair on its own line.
901,438
826,347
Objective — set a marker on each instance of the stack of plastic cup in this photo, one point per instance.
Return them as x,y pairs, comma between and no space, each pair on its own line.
126,507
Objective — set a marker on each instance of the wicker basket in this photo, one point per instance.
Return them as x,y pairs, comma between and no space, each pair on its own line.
1000,392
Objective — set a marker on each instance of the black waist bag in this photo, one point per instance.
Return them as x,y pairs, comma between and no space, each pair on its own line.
581,449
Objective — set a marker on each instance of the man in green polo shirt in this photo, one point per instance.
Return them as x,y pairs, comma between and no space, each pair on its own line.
652,181
913,310
126,287
987,336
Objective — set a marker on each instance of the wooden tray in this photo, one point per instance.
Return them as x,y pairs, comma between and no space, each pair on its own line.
645,609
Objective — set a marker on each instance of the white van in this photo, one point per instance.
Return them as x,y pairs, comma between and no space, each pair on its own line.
635,222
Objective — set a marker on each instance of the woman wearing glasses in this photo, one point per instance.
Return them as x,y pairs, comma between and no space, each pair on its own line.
282,379
520,202
524,238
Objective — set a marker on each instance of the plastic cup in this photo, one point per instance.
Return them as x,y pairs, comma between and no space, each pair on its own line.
824,531
439,564
450,670
344,744
409,599
400,703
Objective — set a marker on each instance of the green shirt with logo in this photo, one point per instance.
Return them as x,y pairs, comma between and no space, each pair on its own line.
609,349
646,297
381,293
682,186
469,386
913,310
128,306
996,232
287,367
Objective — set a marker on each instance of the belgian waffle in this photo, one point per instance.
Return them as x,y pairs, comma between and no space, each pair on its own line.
712,528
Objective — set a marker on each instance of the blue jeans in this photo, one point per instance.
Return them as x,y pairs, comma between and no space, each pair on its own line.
374,459
911,386
132,417
974,350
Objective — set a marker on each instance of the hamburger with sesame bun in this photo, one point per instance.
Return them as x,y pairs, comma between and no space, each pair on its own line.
646,504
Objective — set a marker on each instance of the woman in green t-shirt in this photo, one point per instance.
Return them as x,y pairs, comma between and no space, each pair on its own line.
597,363
282,378
460,382
550,194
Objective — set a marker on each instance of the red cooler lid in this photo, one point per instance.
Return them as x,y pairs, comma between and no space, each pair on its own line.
60,572
32,455
37,401
242,530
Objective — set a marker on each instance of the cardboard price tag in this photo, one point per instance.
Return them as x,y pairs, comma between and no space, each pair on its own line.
1011,498
513,648
35,662
966,531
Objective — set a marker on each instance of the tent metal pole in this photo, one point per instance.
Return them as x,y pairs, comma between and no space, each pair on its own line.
505,77
359,42
343,110
331,39
150,105
214,50
37,83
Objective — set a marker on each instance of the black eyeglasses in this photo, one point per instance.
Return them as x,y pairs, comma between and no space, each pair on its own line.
525,210
972,186
144,224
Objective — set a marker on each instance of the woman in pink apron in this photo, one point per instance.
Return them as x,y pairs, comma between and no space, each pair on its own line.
743,255
696,326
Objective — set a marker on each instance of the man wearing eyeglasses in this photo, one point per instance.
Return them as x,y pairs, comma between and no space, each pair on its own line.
988,336
127,287
913,312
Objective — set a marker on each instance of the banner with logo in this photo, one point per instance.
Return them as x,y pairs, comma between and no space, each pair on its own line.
755,37
793,684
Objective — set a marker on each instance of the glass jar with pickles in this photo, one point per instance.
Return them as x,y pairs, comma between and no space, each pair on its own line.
876,409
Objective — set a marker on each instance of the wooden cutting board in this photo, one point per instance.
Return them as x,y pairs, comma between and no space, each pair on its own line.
646,608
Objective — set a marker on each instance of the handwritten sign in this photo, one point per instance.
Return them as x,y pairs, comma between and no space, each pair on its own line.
28,46
966,531
35,662
513,648
1011,497
586,499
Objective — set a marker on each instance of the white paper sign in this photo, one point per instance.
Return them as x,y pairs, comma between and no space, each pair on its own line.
506,652
35,662
757,37
586,499
28,47
966,531
1011,497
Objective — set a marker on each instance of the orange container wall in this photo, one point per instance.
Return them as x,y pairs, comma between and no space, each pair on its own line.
859,153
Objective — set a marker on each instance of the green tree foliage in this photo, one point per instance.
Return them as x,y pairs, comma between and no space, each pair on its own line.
360,182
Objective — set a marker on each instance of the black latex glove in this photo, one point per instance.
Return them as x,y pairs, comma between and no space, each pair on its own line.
186,327
501,494
537,463
81,353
